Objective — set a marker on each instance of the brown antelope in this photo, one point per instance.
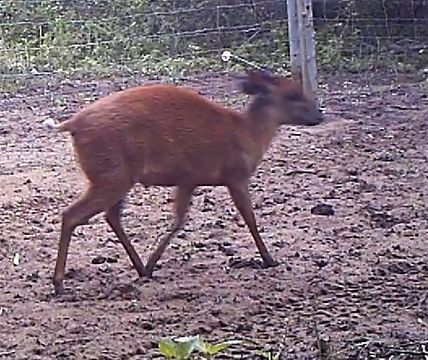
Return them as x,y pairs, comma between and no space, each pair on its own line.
167,135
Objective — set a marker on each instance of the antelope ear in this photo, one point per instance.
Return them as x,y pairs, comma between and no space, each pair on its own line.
257,82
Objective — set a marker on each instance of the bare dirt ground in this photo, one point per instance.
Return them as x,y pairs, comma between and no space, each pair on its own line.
356,281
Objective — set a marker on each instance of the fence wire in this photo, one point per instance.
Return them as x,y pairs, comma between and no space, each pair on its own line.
45,44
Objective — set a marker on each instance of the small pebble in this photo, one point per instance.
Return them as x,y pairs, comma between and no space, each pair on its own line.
322,209
98,260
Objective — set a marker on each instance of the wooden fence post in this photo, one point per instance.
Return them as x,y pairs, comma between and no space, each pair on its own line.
307,47
294,41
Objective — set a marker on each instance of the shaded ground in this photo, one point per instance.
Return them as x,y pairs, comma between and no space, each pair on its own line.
356,280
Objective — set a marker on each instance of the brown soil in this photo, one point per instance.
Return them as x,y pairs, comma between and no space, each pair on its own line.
356,280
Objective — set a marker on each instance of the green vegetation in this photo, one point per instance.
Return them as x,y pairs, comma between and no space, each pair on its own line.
194,347
106,38
183,348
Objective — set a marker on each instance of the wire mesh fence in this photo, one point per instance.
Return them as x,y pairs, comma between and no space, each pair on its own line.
45,44
368,36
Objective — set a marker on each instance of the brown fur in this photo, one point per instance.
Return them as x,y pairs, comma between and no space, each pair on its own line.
170,136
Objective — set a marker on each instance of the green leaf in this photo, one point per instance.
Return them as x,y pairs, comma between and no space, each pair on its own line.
167,348
264,354
180,348
211,350
186,345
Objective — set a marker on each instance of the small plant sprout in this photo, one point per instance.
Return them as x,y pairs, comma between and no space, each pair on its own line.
209,350
179,348
182,348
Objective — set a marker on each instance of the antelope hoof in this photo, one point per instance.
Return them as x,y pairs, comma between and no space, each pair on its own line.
58,287
148,273
270,263
142,271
